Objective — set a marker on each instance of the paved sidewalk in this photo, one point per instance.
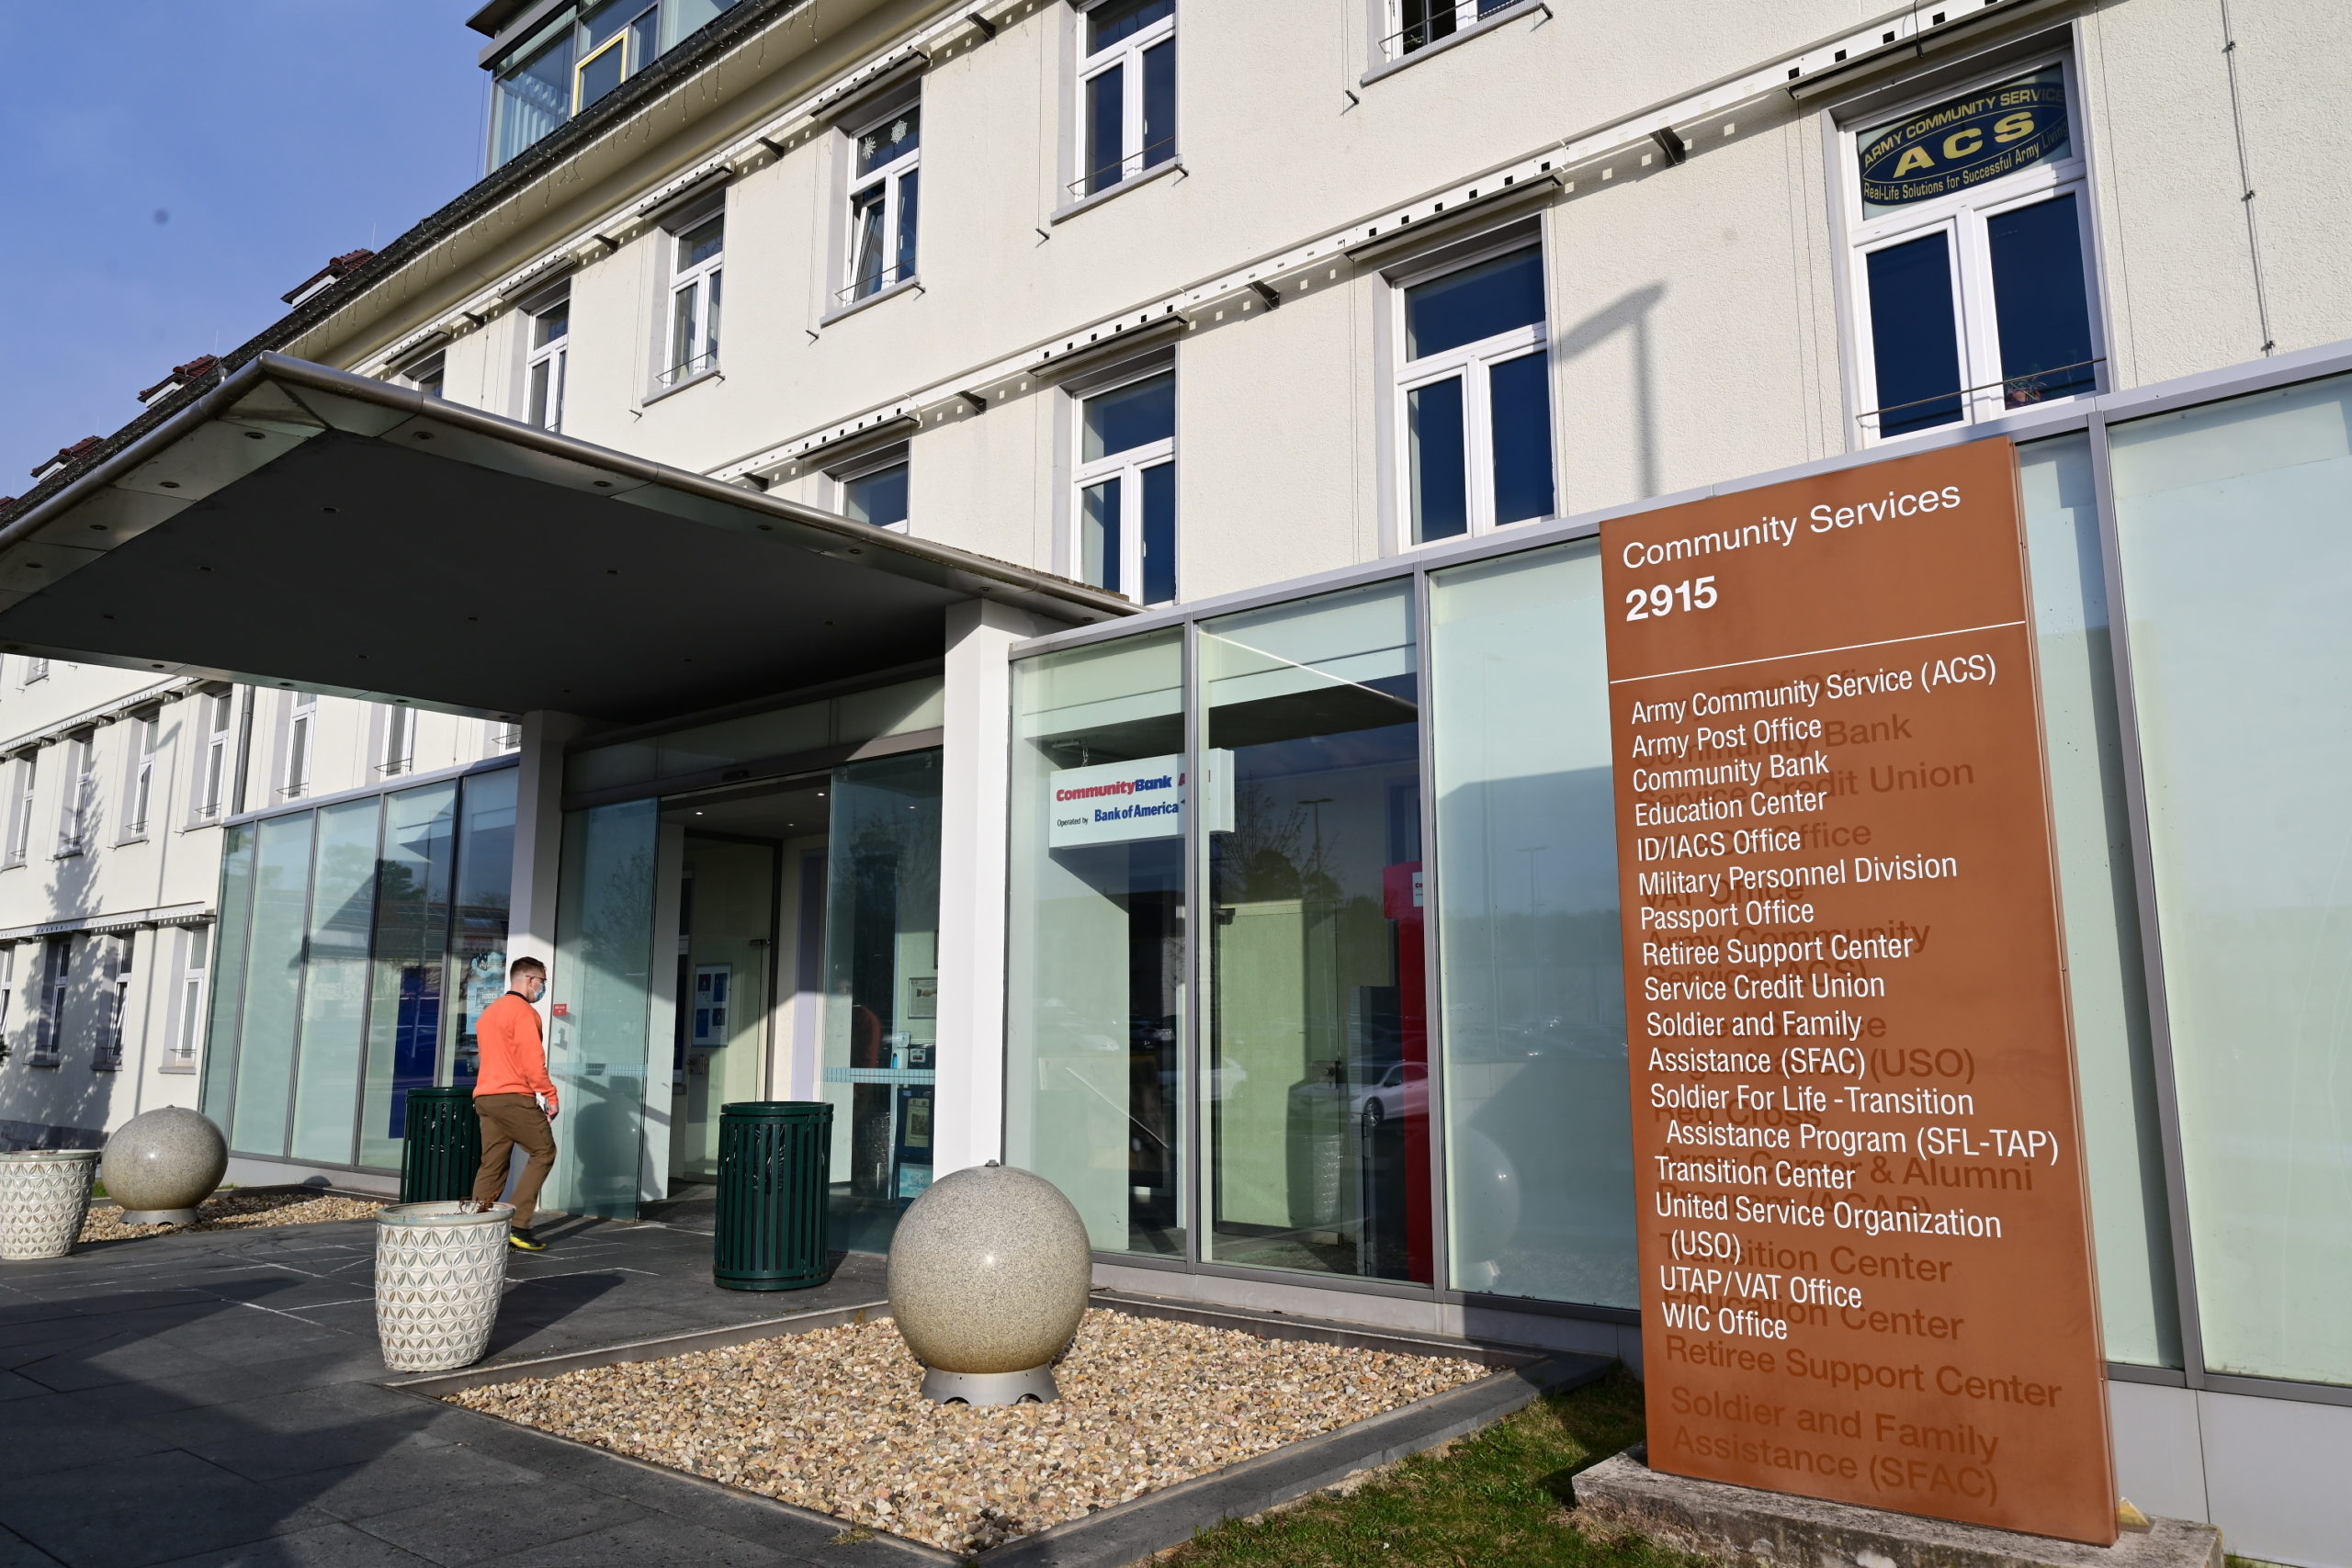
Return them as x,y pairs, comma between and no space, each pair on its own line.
214,1399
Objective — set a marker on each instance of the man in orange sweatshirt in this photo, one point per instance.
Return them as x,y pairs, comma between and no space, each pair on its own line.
515,1098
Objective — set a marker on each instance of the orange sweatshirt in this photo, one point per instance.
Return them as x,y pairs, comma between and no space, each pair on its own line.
513,1054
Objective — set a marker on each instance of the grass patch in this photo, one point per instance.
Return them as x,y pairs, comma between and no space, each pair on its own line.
1499,1498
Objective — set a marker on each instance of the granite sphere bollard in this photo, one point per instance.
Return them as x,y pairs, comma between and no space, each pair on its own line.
161,1164
990,1272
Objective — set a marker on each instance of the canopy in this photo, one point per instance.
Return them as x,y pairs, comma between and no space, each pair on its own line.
300,525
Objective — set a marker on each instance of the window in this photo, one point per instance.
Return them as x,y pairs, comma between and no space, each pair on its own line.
1475,392
8,993
302,724
56,969
1126,490
187,1013
20,818
114,1000
883,203
579,56
77,809
1417,24
426,374
139,794
694,301
548,358
1126,92
400,741
876,490
212,762
36,670
1971,223
504,737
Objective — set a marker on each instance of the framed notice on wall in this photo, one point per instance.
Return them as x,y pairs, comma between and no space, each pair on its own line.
1865,1235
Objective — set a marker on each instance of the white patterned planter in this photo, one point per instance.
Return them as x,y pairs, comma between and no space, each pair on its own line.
439,1271
44,1197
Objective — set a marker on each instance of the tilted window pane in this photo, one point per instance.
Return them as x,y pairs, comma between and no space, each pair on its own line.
1106,25
2231,522
404,1014
910,209
1441,482
1538,1132
1095,936
1098,535
539,390
1105,128
1914,341
866,213
682,344
710,319
1134,415
1159,104
2040,302
2105,978
1426,21
1473,304
335,981
1519,404
1159,534
1316,1054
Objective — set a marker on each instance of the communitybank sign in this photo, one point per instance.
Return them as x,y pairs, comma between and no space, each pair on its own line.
1864,1229
1117,803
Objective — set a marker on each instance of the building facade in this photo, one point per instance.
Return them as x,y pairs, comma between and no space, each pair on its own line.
1068,624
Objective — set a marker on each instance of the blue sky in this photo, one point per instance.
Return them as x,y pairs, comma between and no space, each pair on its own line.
169,167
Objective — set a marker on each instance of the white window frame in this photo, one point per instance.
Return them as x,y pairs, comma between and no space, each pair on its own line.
35,669
301,744
20,819
427,373
1963,218
1127,468
8,990
209,795
186,1025
77,805
1127,53
1472,363
550,360
704,280
398,753
1467,15
139,786
898,457
500,737
887,175
56,981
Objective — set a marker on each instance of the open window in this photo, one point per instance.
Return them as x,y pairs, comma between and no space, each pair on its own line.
874,488
885,152
698,258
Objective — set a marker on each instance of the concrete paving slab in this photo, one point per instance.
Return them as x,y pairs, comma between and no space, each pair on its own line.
280,1434
495,1524
183,1505
58,1431
15,1551
406,1478
653,1543
329,1546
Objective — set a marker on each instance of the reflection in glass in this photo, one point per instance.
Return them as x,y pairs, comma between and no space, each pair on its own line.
1914,342
1474,303
477,953
1095,937
412,936
2231,520
1159,485
1537,1137
879,498
273,985
1105,128
1134,415
1440,487
1098,535
1317,1056
726,931
881,989
2040,302
2105,977
223,1033
602,990
335,981
1520,394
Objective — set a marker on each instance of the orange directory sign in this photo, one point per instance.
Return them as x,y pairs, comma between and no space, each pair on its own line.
1865,1237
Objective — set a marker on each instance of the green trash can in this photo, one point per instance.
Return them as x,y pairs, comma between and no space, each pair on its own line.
774,1160
440,1147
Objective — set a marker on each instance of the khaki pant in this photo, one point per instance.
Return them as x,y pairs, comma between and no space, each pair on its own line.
508,1120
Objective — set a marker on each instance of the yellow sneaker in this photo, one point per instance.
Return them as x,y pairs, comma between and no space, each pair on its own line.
524,1241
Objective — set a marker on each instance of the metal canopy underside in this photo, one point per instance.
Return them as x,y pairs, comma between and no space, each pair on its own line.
303,526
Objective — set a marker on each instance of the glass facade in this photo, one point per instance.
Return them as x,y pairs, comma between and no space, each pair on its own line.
603,994
338,940
1095,946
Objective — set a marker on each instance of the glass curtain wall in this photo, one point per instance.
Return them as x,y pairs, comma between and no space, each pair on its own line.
1538,1136
336,945
2232,521
1095,944
602,1005
1316,1058
881,989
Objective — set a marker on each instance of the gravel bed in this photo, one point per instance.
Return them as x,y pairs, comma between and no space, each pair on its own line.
834,1420
232,1211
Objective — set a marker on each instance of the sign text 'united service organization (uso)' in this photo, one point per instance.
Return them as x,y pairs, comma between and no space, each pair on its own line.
1864,1230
